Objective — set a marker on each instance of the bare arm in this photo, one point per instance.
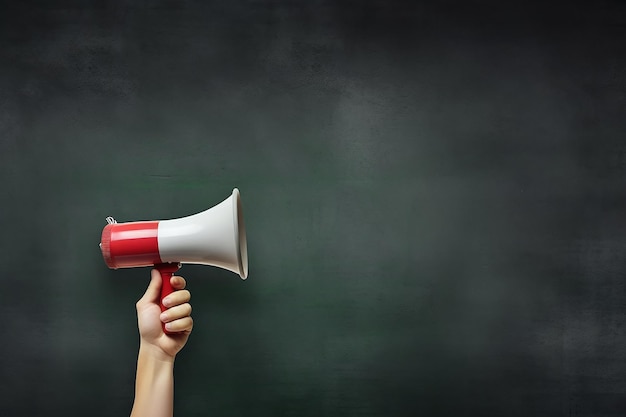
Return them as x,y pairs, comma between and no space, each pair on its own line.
154,384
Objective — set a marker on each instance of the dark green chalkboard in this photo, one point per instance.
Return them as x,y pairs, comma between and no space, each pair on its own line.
433,195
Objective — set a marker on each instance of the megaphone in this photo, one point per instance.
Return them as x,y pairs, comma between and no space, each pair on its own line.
215,237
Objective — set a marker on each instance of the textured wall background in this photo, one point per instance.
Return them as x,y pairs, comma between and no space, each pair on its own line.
434,196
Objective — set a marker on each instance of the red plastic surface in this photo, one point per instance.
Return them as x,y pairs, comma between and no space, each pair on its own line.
128,245
166,270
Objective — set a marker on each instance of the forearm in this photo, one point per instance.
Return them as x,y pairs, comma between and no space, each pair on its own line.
154,384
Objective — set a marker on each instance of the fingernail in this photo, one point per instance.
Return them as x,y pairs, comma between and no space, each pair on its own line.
166,302
168,326
163,316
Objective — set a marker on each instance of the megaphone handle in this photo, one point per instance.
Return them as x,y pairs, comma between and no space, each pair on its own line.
166,271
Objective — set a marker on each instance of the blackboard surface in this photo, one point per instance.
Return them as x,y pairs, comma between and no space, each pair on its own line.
434,195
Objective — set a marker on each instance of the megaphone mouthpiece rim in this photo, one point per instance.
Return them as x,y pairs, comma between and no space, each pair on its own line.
240,235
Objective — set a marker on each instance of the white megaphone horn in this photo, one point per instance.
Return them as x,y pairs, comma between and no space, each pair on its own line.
215,237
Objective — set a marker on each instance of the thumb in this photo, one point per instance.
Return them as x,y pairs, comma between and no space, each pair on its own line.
154,289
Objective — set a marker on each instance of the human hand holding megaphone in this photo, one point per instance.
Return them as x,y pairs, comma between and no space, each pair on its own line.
215,237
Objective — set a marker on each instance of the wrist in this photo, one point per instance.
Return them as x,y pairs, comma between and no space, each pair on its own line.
153,352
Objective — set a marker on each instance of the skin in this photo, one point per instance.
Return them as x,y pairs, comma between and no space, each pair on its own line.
154,383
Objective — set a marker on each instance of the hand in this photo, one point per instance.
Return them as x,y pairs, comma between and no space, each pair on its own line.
177,317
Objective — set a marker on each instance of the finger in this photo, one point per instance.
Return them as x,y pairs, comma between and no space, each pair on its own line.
177,298
176,312
181,325
178,282
153,291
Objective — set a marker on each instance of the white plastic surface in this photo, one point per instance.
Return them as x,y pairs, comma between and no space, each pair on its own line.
213,237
